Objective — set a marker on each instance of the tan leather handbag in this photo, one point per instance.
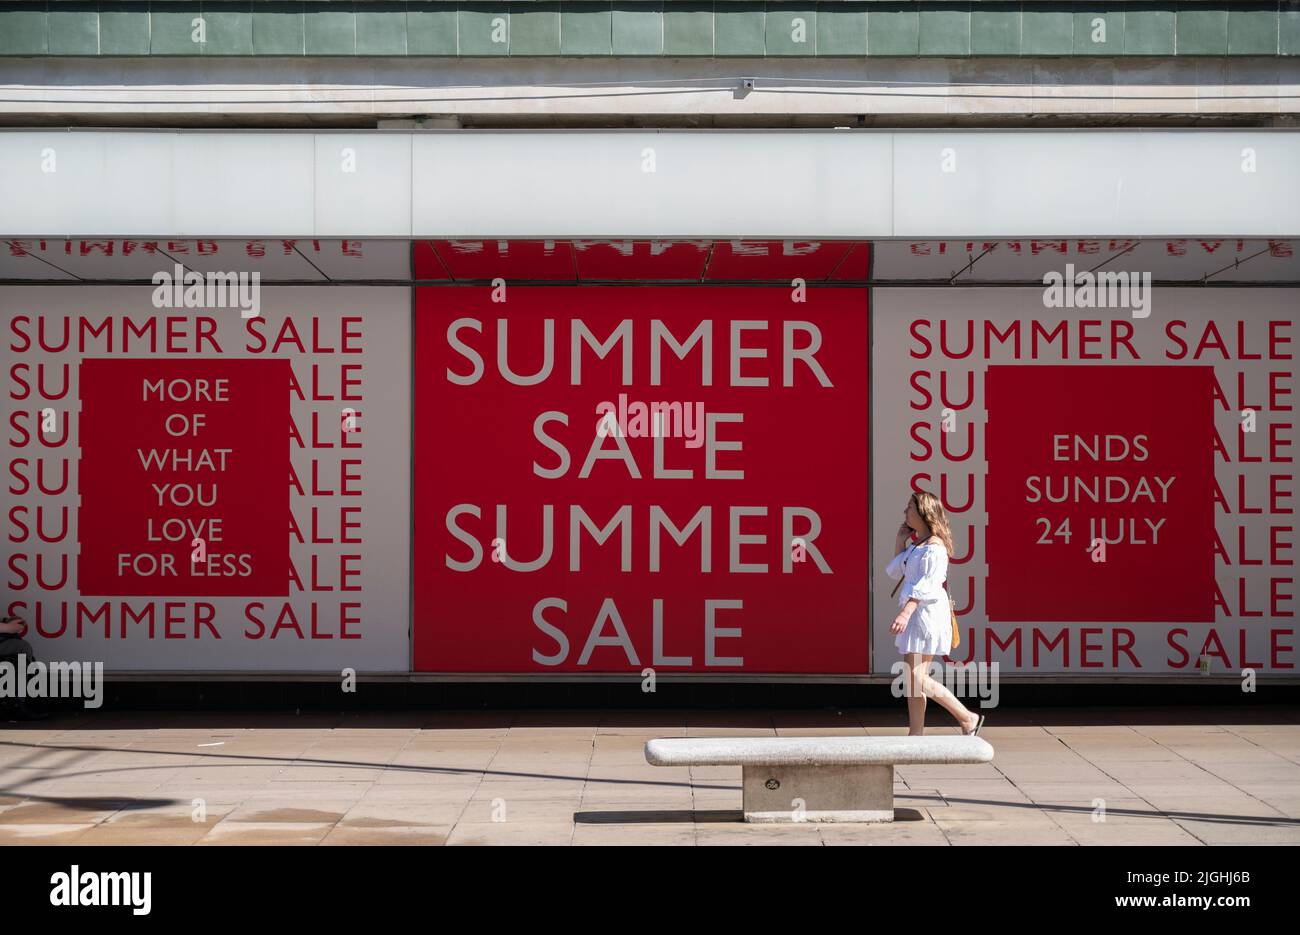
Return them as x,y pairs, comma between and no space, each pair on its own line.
956,630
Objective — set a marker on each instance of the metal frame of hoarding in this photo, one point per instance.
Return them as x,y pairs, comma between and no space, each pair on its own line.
871,280
579,678
865,678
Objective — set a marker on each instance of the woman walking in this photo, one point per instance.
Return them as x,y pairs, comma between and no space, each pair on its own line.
923,627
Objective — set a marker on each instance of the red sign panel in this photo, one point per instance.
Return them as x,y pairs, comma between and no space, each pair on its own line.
183,477
643,261
613,478
1100,493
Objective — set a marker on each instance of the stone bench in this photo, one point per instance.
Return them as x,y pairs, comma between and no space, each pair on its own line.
817,778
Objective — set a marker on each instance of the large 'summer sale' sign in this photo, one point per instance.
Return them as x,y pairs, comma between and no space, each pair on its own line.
193,489
1122,488
613,478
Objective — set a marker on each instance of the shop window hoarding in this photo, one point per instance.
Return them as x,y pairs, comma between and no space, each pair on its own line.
612,478
1166,439
196,490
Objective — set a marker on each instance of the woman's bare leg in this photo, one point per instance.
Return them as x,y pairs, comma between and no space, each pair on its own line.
914,682
939,692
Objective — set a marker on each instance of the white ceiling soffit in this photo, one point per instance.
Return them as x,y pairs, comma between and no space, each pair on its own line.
767,183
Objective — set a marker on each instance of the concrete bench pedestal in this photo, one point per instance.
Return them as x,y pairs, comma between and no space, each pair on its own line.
818,793
817,778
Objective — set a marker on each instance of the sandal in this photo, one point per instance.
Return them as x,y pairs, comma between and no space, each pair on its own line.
976,730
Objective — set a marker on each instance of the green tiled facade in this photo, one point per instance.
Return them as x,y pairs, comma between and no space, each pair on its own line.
712,28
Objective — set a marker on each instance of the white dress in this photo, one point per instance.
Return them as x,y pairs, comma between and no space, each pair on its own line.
924,568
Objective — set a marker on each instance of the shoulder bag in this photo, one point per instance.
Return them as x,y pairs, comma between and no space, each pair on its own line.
956,630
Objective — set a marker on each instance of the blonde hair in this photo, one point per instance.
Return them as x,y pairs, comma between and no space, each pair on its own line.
931,511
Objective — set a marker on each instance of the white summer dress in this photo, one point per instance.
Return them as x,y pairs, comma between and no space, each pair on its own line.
924,568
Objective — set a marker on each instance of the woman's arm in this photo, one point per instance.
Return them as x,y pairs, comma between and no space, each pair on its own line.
904,615
12,625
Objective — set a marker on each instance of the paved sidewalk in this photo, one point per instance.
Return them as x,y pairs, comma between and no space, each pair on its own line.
1164,775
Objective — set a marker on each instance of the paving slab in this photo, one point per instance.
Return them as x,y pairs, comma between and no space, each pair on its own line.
401,836
1190,775
638,835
